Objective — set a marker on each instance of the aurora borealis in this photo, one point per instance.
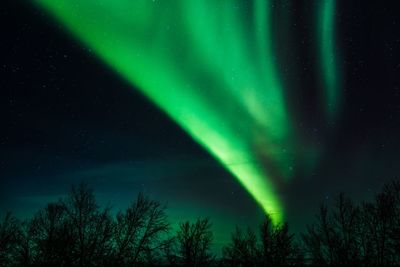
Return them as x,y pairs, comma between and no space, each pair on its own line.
326,27
212,68
227,109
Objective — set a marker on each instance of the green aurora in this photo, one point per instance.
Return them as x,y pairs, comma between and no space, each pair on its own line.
327,56
211,66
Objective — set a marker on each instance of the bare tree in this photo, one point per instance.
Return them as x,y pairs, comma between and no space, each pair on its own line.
243,249
380,239
194,241
267,236
314,246
283,250
171,252
334,238
392,191
276,243
367,234
345,224
51,233
351,235
9,231
320,239
91,227
273,248
140,231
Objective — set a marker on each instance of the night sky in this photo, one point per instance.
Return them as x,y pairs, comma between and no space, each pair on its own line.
70,111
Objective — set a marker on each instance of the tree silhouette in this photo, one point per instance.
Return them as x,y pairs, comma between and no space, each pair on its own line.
91,228
282,245
321,241
75,231
351,235
273,248
345,222
243,249
267,241
53,237
26,246
9,231
194,242
380,226
140,231
276,243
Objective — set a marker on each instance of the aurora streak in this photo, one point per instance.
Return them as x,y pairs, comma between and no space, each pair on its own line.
210,65
328,56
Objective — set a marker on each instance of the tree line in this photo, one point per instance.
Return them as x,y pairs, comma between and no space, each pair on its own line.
76,231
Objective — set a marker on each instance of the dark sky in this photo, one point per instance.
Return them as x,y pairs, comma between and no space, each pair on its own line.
66,117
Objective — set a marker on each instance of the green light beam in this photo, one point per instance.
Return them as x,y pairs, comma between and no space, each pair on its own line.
210,66
326,33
